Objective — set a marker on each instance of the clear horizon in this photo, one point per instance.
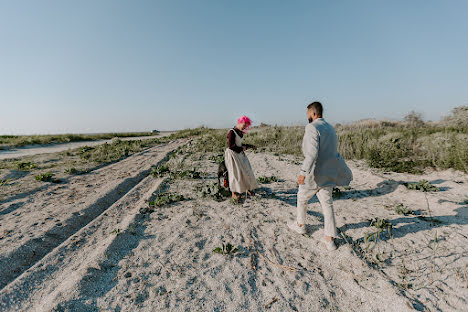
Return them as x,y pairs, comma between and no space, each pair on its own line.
118,66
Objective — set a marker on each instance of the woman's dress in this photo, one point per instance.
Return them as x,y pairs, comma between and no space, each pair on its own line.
241,176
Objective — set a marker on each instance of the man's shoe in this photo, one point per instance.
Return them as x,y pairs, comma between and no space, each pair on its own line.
296,228
330,245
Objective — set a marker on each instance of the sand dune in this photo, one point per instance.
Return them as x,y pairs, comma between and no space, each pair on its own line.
91,245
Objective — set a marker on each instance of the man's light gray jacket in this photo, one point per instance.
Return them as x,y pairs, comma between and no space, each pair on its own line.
323,165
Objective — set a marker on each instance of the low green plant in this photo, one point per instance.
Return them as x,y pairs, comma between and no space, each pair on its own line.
214,191
181,174
160,171
45,177
188,174
403,210
165,199
226,249
422,185
25,165
382,225
267,180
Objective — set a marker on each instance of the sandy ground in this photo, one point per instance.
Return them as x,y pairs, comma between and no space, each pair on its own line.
89,244
55,148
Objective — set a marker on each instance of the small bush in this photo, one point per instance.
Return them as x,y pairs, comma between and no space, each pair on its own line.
422,185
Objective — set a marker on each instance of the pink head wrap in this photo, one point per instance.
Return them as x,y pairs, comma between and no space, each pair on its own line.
246,120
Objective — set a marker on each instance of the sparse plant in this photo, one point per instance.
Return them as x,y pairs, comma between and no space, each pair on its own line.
160,171
381,225
25,165
403,210
214,191
422,185
226,249
46,177
165,199
217,158
267,180
403,274
188,174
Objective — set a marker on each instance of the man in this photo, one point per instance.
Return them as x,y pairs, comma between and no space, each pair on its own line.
323,168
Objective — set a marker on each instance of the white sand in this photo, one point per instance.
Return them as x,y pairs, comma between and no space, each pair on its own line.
61,251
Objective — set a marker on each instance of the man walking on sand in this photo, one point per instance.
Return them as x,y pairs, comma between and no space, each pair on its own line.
323,168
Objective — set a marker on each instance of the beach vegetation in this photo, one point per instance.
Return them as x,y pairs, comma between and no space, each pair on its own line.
45,177
226,249
214,191
422,185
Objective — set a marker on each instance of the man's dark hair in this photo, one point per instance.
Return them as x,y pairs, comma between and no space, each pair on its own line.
316,107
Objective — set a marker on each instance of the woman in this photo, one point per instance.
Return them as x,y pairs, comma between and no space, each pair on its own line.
241,176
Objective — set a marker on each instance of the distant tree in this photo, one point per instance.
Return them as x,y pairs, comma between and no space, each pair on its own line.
414,119
458,118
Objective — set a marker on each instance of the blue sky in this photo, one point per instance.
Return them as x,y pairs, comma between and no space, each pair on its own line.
100,66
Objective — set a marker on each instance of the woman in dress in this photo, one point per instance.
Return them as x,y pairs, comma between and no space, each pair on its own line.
241,176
